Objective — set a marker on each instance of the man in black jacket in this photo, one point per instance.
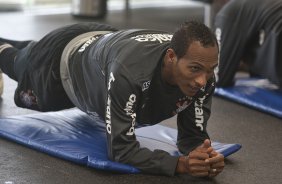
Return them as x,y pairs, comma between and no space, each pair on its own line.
130,78
250,37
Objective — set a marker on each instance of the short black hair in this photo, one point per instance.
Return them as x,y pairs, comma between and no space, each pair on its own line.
189,32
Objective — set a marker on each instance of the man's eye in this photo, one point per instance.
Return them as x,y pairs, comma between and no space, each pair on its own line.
195,68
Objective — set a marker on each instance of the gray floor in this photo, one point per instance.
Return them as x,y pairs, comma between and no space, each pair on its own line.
259,161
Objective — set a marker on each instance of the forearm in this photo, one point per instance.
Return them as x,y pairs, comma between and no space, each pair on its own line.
151,162
192,122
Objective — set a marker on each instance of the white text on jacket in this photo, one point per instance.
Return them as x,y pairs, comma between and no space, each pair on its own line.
199,113
130,112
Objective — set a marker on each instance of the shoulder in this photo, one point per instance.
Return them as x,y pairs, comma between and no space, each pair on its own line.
139,52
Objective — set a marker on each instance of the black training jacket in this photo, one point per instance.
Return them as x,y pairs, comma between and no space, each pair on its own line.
118,76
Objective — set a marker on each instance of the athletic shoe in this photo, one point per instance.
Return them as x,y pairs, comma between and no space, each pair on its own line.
1,83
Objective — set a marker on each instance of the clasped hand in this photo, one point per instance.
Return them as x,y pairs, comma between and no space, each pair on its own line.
202,161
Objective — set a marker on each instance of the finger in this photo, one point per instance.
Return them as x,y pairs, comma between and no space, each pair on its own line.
197,162
198,155
204,150
210,150
211,175
217,168
207,143
216,159
200,174
198,168
218,165
213,154
205,147
214,172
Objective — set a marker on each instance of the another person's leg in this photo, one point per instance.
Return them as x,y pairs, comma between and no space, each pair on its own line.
14,43
1,83
267,58
235,28
4,43
7,59
7,55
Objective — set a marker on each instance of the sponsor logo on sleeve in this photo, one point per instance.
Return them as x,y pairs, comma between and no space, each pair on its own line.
199,113
111,79
87,43
146,85
262,36
130,112
108,116
153,38
108,107
218,34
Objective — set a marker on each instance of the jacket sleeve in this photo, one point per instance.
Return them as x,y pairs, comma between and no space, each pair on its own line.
122,101
192,122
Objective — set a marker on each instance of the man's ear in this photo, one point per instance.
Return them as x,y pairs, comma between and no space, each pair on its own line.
171,55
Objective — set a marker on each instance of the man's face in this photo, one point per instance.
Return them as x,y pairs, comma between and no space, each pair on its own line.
195,68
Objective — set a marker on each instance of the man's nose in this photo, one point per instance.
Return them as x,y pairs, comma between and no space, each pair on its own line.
201,80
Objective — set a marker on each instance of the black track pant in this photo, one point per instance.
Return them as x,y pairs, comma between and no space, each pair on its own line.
250,31
36,67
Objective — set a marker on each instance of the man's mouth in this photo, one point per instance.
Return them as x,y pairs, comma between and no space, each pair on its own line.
194,89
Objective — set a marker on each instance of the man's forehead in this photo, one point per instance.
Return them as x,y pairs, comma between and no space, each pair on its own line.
202,54
205,64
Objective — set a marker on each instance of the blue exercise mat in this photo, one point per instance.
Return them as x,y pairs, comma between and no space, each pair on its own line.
256,93
74,136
